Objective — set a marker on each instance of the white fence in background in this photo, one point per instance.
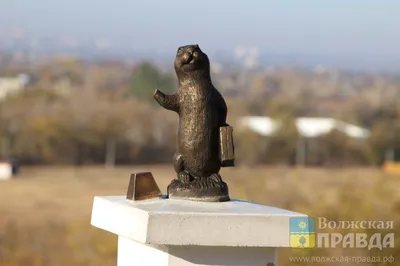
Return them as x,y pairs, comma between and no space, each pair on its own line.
5,170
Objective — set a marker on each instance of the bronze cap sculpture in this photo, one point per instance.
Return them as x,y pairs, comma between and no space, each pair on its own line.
205,142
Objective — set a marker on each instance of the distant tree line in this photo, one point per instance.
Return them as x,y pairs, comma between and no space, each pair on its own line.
80,114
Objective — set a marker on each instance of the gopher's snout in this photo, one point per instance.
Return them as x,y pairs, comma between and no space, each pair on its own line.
190,58
186,58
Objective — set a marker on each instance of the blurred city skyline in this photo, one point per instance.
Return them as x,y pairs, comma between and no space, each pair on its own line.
338,33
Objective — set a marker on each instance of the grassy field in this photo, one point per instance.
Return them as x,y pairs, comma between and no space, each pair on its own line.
45,212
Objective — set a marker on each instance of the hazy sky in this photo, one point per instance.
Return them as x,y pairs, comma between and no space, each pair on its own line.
279,26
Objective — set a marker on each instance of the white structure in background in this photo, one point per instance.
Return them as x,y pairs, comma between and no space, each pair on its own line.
307,127
171,232
13,85
5,170
248,56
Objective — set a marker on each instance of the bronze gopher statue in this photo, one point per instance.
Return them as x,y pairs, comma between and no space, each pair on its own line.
202,112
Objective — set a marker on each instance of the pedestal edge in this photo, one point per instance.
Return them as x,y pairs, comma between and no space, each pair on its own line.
182,223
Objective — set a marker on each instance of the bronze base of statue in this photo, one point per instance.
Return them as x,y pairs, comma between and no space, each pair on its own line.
206,189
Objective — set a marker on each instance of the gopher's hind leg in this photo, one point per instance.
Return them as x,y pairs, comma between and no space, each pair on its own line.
183,176
178,162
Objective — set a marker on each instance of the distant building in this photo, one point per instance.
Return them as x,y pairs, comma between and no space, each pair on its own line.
13,85
307,127
6,172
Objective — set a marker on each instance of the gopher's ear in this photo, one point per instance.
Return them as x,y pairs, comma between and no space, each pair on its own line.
196,46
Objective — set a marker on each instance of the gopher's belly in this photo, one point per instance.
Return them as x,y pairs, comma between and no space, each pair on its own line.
198,138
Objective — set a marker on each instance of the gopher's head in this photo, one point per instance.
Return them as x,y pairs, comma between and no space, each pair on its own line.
190,59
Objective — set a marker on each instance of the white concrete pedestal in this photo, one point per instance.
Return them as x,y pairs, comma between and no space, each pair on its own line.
167,232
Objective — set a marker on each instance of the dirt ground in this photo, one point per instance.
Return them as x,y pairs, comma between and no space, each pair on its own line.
51,206
43,193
